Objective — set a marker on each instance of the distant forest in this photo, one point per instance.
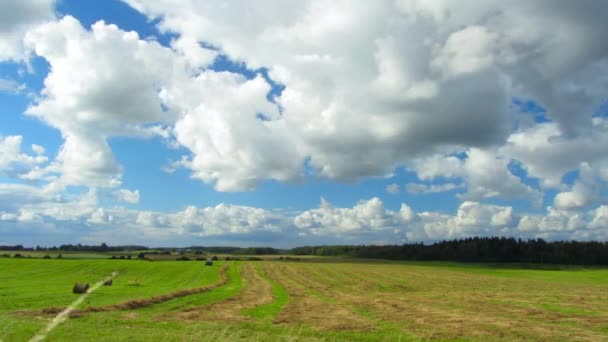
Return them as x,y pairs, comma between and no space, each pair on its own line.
477,249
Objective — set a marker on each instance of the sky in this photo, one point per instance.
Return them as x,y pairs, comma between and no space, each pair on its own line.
265,123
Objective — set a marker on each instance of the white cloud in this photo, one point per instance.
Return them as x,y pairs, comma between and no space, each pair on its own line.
453,60
365,217
422,84
232,147
584,192
393,188
600,217
488,176
16,18
125,195
471,219
227,219
100,217
11,86
15,196
547,154
39,150
437,165
421,188
399,85
484,172
41,216
103,82
13,161
404,80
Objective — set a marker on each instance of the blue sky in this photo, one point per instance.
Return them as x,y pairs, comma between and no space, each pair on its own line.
286,125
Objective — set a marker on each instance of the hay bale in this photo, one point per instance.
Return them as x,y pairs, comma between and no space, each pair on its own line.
107,282
80,288
209,262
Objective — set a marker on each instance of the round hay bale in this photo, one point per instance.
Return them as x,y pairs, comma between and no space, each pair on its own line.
108,282
80,288
209,262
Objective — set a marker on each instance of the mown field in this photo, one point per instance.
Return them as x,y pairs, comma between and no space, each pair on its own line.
319,300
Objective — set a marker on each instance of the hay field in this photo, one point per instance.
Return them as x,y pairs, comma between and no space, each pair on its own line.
318,300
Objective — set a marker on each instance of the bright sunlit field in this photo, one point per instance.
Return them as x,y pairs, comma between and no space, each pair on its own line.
320,300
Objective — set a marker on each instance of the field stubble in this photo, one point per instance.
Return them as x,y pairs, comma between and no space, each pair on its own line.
325,301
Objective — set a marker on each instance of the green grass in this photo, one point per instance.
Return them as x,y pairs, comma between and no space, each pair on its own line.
33,284
280,299
401,301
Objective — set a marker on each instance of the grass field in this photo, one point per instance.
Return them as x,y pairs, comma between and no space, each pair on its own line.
319,300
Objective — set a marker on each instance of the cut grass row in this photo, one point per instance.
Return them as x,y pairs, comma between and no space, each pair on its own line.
28,286
320,301
280,299
417,299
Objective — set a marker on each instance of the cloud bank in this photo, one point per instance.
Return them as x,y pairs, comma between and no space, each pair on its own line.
343,91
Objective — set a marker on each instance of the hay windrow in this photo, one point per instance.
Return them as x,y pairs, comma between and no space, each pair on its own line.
140,303
464,310
257,291
386,300
308,309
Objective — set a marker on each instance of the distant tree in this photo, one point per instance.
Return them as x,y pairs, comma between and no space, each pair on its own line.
476,249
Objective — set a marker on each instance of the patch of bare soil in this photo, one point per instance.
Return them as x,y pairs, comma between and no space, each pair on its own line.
257,291
139,303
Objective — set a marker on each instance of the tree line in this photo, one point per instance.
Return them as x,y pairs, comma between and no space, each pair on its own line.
476,249
75,248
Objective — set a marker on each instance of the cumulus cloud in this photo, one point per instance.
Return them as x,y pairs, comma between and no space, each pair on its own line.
471,219
421,188
547,154
428,85
15,196
485,173
231,146
126,195
45,216
585,190
366,217
11,86
14,162
103,82
400,83
393,188
16,18
600,217
82,218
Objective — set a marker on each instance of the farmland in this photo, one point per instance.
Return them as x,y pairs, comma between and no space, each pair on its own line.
308,299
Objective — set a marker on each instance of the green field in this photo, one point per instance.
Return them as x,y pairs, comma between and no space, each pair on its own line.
311,299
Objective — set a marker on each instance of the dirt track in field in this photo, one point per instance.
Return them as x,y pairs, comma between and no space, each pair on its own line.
257,291
140,303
